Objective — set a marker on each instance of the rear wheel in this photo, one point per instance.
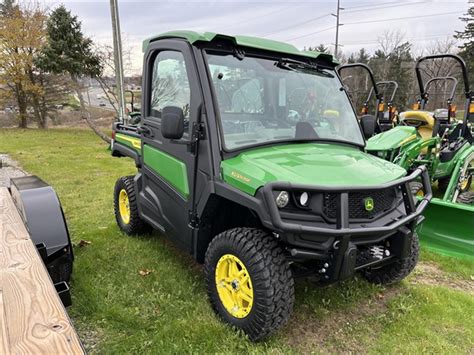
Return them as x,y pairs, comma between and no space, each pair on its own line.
443,183
416,188
466,198
397,271
465,185
249,281
126,207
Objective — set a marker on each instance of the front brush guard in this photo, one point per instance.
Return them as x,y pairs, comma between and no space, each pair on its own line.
413,209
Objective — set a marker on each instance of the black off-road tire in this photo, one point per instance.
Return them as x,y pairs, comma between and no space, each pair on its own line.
269,271
466,198
416,187
443,183
397,271
136,225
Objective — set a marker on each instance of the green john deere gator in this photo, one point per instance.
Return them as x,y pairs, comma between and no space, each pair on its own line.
441,143
250,157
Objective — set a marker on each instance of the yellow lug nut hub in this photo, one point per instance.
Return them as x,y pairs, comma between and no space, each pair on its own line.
124,206
234,286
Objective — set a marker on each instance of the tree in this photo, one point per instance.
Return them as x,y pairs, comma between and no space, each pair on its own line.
21,36
467,38
68,51
322,49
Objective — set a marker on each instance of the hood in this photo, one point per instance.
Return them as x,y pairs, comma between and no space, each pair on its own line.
307,163
391,139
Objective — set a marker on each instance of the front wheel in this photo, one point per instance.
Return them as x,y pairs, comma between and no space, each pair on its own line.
397,271
249,281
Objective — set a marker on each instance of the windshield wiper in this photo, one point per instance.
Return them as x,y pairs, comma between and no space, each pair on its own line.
296,65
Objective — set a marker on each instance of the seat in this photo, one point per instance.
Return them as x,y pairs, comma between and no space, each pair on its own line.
422,120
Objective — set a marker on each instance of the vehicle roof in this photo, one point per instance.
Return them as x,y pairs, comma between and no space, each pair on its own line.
246,41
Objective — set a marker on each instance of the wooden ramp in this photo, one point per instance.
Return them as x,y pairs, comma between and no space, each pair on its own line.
32,317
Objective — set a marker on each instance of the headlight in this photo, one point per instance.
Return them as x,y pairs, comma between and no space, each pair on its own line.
304,199
282,199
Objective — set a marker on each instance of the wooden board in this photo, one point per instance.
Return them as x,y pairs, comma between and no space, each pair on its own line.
32,317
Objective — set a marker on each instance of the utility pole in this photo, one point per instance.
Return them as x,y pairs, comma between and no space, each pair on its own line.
338,24
118,59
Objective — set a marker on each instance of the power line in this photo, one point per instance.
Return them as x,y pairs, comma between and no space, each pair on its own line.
377,7
407,39
402,18
378,4
311,33
264,15
297,25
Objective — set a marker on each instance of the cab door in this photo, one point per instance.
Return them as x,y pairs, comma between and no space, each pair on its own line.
168,169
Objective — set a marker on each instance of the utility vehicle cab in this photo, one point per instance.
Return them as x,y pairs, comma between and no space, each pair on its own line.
250,157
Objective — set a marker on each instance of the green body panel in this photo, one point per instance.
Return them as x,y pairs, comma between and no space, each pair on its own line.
391,139
168,167
129,141
246,41
307,163
466,156
448,229
447,168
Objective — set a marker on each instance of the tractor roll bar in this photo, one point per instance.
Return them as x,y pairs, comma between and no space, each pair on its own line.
342,220
461,62
443,78
388,83
365,67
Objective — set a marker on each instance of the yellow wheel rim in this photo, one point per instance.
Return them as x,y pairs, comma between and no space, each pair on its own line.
464,184
124,206
420,193
234,286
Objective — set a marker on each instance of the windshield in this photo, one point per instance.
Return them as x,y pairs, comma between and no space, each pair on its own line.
264,100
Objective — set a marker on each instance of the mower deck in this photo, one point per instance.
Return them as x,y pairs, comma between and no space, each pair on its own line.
32,316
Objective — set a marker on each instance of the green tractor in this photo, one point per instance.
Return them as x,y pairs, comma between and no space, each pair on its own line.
444,145
250,157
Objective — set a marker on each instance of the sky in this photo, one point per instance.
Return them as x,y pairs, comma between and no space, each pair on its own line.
302,23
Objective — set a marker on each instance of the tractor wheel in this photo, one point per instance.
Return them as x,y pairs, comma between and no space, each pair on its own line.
465,185
397,271
416,188
466,198
249,281
126,208
443,183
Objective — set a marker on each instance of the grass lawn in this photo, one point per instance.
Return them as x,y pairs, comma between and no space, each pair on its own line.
117,310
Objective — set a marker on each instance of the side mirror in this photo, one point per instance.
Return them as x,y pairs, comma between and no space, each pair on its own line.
368,124
172,122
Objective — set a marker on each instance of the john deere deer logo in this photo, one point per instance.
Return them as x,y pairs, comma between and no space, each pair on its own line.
369,204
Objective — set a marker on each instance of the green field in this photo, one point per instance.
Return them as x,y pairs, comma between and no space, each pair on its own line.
117,310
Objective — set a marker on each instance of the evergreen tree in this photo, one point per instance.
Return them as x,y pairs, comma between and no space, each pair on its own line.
467,37
68,51
321,49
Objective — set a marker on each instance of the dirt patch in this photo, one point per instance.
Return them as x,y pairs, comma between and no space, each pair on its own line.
430,274
308,333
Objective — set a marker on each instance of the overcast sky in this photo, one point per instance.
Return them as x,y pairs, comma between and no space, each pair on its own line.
302,23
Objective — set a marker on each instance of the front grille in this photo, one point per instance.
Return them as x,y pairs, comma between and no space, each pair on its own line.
383,201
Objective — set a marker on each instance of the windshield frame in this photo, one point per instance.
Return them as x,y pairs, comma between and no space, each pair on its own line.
276,56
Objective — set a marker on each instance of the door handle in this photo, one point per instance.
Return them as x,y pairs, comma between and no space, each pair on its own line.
145,131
